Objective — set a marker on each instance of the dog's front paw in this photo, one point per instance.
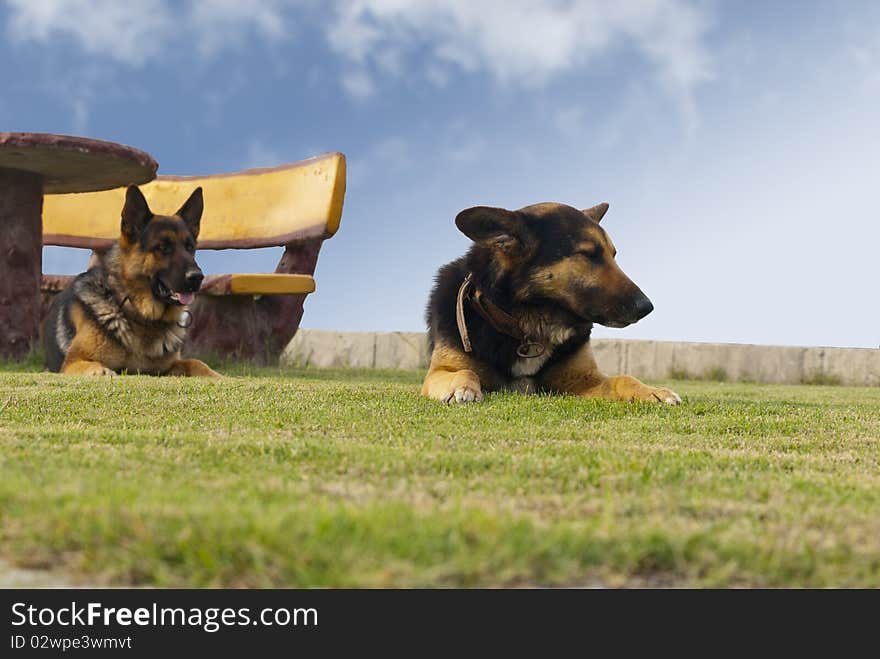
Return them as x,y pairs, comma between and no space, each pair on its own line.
99,370
199,369
467,393
464,388
665,396
453,387
194,368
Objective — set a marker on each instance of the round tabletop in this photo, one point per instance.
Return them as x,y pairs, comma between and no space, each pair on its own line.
75,164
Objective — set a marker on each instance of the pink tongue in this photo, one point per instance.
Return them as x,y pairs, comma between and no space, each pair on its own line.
186,298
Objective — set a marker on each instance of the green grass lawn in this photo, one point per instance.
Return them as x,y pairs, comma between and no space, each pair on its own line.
349,478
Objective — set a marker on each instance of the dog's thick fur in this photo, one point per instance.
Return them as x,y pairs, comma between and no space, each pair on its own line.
551,268
128,311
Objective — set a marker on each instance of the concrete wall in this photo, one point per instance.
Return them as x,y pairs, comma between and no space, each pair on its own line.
325,349
646,359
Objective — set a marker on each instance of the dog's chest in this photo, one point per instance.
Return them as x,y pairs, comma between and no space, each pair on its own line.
157,343
142,345
526,367
550,336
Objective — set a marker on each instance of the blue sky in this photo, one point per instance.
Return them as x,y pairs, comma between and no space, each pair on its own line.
737,142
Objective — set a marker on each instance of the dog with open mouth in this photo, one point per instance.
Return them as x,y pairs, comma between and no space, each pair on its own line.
129,311
517,310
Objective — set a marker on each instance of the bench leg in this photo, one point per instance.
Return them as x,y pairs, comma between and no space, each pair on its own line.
21,253
283,313
255,328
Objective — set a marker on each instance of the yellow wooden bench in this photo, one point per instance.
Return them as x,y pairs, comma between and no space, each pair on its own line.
245,315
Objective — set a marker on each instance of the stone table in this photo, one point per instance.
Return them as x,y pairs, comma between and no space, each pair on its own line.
33,164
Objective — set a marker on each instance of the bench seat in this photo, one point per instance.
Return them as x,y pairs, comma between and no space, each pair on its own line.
257,284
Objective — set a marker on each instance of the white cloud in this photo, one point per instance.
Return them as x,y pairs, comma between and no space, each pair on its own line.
219,24
133,32
526,41
128,32
522,43
358,84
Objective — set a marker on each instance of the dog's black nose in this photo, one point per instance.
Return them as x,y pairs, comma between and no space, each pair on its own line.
642,307
194,279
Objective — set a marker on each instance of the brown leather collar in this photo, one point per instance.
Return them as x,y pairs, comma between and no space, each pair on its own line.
502,321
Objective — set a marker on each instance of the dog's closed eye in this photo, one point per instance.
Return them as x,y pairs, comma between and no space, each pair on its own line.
589,250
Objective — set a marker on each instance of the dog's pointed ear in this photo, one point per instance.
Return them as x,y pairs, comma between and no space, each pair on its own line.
496,228
597,212
191,211
136,214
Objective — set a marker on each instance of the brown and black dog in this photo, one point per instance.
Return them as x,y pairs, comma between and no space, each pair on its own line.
517,310
128,312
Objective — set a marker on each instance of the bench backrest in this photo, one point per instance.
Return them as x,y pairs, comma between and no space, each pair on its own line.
253,208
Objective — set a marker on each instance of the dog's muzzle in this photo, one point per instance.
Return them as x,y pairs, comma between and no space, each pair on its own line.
627,314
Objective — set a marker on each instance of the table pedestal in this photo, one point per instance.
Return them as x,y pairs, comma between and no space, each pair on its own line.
21,259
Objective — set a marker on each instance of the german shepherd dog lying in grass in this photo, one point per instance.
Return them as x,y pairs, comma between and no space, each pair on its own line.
516,311
128,312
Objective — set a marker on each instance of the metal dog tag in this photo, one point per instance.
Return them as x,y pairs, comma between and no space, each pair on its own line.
528,349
